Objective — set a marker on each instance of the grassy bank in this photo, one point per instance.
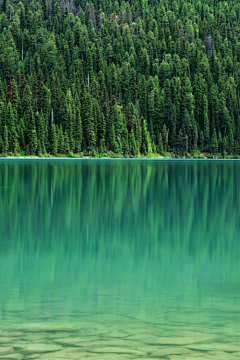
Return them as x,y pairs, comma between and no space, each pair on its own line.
111,155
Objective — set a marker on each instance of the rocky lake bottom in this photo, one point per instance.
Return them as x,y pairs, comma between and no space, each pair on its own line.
123,337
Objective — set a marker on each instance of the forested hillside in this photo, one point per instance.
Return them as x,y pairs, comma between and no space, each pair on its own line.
119,77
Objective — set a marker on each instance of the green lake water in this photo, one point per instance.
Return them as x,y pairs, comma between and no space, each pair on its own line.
119,259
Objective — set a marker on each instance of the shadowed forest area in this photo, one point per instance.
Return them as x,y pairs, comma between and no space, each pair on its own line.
119,78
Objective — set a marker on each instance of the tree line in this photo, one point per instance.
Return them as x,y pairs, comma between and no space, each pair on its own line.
122,77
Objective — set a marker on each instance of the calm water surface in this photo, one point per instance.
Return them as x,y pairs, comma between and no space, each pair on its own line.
111,259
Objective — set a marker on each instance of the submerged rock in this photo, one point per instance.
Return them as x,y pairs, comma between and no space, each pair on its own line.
74,342
184,340
5,340
106,357
37,348
116,350
5,350
64,355
45,327
167,350
215,346
117,334
57,335
11,357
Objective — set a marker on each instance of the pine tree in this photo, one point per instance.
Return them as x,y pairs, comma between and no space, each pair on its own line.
11,125
5,140
165,138
206,122
70,119
32,134
54,140
132,144
88,122
160,145
40,126
33,141
61,144
112,140
201,140
224,147
1,145
66,143
125,143
78,130
182,142
146,147
214,143
195,137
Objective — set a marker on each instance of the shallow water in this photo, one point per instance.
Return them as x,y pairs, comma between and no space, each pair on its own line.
111,259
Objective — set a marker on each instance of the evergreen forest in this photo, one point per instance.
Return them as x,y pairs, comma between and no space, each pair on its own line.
119,78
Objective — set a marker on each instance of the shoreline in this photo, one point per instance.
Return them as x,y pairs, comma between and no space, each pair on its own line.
33,157
168,155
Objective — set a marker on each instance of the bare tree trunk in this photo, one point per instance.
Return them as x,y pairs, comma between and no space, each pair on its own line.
22,47
52,120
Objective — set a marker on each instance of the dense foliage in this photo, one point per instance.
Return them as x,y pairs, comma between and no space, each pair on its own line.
123,77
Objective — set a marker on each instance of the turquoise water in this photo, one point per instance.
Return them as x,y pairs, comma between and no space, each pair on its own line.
119,259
